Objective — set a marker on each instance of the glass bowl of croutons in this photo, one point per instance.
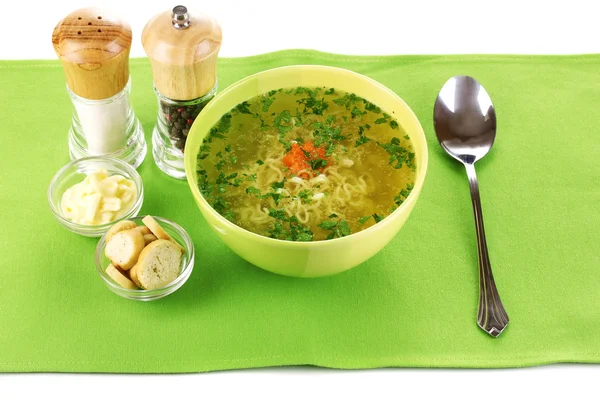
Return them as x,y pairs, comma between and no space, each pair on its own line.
145,258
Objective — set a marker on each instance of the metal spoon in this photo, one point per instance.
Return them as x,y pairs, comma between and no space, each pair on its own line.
465,124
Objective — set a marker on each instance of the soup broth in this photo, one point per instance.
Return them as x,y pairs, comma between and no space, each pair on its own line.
306,164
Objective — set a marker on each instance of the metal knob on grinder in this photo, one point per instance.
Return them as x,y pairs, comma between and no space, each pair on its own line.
180,17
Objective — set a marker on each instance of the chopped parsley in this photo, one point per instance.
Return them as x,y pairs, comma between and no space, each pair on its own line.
243,108
410,162
362,128
298,119
253,191
250,178
205,148
362,220
220,205
278,214
220,164
300,233
347,101
223,126
230,215
356,112
328,224
325,134
371,107
283,124
277,232
297,232
403,194
277,197
378,218
306,196
311,103
278,185
338,228
284,116
267,101
361,140
263,126
317,163
203,185
398,154
226,179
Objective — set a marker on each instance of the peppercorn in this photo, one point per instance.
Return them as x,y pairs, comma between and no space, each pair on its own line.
180,144
178,121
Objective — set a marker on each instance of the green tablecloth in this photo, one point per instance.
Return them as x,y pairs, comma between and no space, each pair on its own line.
414,304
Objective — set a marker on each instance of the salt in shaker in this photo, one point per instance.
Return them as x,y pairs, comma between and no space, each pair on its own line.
93,46
182,46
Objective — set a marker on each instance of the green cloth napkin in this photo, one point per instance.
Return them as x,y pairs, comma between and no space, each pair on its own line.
414,304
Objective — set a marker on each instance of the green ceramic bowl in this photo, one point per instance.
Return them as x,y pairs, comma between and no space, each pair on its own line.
306,259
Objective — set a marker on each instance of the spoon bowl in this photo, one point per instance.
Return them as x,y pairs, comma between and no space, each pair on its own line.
465,119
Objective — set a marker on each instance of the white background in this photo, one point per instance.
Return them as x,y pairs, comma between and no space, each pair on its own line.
365,27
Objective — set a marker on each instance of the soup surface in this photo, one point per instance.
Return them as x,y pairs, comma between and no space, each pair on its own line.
306,164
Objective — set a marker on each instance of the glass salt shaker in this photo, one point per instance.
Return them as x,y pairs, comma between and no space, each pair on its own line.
182,46
93,46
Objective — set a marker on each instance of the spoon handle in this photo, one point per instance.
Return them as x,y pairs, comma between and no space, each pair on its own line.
491,315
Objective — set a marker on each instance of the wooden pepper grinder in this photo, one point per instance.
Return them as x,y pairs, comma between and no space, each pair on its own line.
93,46
182,46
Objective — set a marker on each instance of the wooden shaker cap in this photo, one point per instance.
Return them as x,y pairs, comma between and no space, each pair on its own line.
93,45
183,57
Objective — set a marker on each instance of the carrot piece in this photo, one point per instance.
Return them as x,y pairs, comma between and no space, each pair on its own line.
315,152
297,158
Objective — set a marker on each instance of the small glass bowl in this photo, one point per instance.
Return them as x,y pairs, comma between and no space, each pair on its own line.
75,172
178,234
